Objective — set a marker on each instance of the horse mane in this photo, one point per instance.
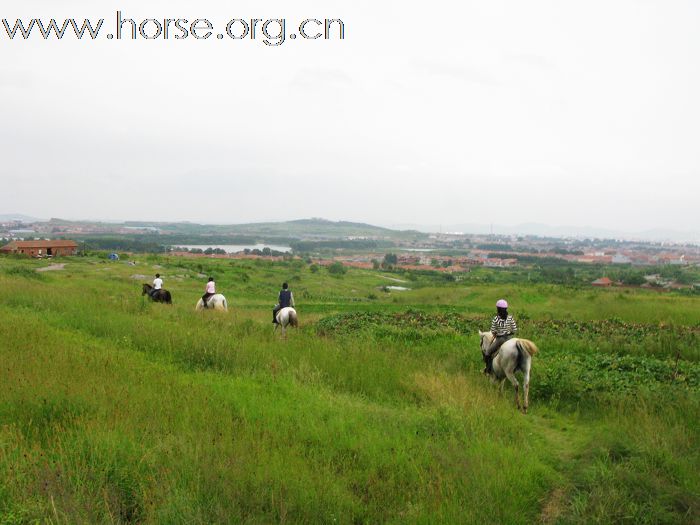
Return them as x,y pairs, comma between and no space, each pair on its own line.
488,335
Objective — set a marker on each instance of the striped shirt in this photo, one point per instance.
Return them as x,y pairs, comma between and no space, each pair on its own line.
503,326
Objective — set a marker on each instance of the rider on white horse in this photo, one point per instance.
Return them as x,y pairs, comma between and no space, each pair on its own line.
503,327
285,299
209,291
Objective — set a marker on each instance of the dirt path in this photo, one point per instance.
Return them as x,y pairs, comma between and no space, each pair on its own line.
566,439
52,267
394,279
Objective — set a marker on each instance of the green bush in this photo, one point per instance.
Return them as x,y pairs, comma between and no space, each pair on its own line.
337,269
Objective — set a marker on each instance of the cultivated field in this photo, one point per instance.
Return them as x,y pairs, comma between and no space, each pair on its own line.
115,410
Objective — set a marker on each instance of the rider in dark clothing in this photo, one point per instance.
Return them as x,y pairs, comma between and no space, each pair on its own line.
284,300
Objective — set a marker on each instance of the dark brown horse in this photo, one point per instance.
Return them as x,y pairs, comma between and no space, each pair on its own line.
160,296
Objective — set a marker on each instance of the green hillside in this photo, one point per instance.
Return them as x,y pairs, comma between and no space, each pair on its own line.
117,410
297,229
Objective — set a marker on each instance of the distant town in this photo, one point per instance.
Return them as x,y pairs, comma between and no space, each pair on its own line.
358,245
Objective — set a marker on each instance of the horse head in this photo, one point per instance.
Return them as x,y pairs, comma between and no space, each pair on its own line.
485,340
146,288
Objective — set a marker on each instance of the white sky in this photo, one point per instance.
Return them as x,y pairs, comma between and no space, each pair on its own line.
441,112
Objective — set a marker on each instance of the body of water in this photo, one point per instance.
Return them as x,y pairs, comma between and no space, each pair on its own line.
236,248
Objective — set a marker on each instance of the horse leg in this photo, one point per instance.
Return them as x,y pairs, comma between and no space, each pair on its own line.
526,385
514,381
503,382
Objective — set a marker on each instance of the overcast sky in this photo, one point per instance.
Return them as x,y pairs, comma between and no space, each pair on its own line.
440,112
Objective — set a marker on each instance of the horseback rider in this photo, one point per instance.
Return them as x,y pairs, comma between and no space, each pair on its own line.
285,299
503,327
157,286
210,290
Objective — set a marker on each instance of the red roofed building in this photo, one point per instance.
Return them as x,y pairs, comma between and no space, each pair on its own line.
603,281
41,248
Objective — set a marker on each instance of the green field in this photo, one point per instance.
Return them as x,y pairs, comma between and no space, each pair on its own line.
116,410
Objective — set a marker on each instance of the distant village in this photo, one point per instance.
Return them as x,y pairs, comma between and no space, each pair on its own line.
441,252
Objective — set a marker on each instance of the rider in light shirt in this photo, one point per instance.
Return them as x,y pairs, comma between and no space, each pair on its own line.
157,285
210,290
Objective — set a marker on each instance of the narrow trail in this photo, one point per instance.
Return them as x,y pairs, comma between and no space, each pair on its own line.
566,439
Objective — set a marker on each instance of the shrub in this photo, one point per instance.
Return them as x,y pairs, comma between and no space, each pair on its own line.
337,268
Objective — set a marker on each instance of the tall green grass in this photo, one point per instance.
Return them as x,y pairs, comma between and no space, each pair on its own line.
117,410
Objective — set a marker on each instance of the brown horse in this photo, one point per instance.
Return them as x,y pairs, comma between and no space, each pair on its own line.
160,296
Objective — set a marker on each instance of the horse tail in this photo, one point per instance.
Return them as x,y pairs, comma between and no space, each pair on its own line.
223,301
293,321
528,346
168,298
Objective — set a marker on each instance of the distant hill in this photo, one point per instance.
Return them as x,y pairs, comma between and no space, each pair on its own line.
306,229
545,230
6,217
320,228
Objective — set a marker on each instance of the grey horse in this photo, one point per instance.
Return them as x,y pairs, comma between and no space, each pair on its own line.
515,354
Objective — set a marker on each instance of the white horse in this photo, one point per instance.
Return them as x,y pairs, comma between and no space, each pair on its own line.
215,302
515,354
286,317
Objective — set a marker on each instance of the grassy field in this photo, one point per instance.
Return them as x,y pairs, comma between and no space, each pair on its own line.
116,410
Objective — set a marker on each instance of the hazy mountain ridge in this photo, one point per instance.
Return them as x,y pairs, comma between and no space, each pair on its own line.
545,230
327,228
7,217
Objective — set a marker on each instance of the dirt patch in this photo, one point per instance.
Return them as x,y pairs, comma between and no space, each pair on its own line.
52,267
554,506
139,277
394,279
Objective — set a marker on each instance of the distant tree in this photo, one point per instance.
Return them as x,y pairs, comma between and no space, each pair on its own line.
633,279
391,258
313,268
375,264
337,269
